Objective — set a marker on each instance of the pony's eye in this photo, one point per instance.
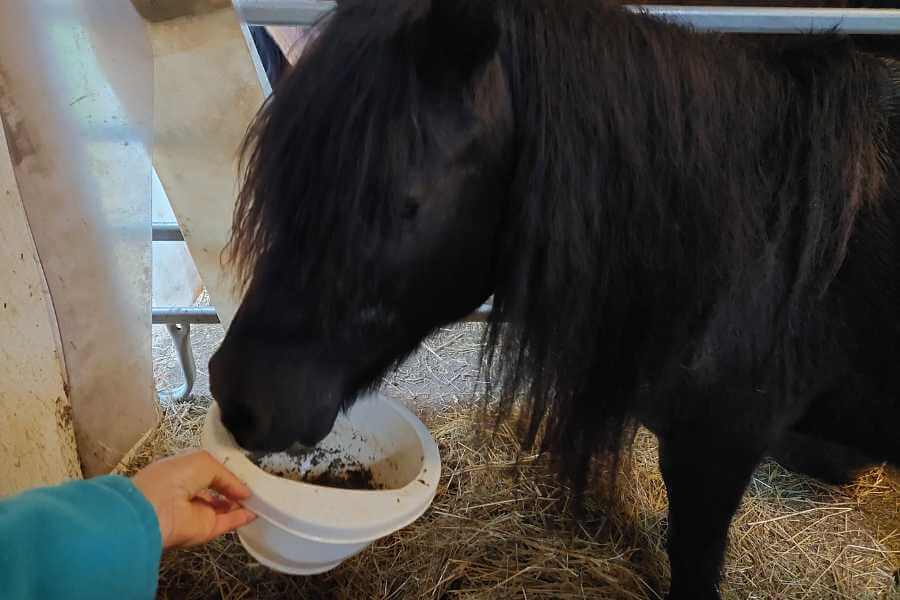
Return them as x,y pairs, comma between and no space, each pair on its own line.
410,210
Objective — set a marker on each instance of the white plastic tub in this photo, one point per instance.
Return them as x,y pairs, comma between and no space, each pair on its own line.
304,529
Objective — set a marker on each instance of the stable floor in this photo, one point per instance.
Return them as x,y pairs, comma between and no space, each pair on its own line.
499,532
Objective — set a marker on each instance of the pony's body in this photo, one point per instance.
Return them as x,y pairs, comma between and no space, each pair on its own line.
694,232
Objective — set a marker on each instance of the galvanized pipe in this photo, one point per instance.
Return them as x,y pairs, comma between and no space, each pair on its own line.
282,12
206,315
181,337
702,18
779,20
183,315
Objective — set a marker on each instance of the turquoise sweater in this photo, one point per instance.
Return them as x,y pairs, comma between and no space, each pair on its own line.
93,539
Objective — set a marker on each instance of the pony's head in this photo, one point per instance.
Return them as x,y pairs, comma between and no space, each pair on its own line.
375,178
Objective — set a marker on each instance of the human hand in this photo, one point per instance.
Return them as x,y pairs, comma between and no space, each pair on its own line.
195,498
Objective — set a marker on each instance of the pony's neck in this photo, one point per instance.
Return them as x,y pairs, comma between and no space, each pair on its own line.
657,166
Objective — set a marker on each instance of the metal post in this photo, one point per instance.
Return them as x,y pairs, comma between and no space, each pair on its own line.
181,337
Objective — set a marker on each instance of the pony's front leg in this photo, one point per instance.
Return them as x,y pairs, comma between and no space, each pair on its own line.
705,475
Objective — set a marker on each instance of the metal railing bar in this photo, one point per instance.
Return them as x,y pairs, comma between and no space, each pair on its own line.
704,18
206,315
167,232
183,315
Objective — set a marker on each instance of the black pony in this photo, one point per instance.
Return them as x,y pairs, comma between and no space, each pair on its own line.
694,232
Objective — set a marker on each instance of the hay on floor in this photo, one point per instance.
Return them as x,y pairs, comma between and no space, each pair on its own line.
497,532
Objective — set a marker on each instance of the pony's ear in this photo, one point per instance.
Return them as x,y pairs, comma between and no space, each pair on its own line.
455,38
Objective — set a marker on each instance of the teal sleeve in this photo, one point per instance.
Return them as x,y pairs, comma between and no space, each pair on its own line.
93,539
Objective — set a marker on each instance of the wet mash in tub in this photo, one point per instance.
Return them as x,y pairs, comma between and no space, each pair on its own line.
345,459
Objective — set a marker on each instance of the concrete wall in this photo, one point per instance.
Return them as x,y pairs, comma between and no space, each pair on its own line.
37,440
76,94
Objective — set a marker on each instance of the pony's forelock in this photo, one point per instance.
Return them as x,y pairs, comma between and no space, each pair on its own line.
320,160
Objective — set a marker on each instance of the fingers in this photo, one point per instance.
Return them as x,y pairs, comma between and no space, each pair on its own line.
230,521
194,496
218,503
202,524
210,473
227,484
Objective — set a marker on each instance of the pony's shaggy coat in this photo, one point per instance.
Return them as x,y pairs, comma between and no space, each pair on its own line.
684,200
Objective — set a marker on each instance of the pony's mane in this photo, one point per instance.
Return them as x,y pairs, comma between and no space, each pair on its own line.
319,161
681,202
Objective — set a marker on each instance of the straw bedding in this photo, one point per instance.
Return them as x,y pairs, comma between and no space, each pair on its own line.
495,531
